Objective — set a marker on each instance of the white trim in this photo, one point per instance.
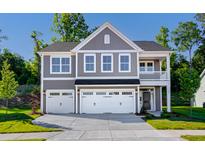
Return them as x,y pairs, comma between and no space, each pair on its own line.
161,99
111,85
152,100
202,74
56,53
146,71
61,90
59,78
76,65
61,56
153,82
76,99
107,39
84,63
107,77
102,27
42,74
138,65
107,54
107,51
138,99
119,62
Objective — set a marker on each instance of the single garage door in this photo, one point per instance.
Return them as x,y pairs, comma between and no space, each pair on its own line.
60,101
107,101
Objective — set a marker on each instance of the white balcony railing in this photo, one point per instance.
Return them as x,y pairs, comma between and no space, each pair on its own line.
161,75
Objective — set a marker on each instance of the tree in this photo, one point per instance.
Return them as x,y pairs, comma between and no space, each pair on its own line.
71,27
189,83
17,65
8,85
35,64
186,36
163,37
199,56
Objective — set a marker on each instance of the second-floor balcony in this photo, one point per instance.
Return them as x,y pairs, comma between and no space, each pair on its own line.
155,75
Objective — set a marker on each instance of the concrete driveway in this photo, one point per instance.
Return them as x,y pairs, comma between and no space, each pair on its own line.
107,127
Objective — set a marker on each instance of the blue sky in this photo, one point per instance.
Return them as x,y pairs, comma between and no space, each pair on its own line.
18,27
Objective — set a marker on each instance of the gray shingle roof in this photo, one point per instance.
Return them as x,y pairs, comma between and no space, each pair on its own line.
60,46
150,46
67,46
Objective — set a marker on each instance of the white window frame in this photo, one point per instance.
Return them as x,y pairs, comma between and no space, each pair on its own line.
85,55
146,62
107,39
119,63
107,54
51,59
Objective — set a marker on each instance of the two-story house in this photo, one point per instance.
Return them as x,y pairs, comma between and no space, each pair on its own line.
105,73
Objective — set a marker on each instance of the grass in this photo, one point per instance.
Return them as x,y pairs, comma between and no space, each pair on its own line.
32,139
19,121
179,119
194,137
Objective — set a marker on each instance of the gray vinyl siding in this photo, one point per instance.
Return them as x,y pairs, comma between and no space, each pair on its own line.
116,43
58,84
156,68
47,68
115,72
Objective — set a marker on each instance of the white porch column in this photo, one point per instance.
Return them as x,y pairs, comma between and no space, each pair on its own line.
168,97
41,97
168,67
160,98
138,99
168,86
76,99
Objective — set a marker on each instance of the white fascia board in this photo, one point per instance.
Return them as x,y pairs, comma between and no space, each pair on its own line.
57,53
111,85
102,27
202,74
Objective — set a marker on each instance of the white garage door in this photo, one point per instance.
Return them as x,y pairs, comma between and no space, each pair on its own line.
107,101
59,101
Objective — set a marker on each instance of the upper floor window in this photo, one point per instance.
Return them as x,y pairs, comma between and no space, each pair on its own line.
106,63
60,65
89,63
124,63
106,39
147,66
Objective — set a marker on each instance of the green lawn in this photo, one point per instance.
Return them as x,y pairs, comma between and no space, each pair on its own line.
19,121
179,119
194,137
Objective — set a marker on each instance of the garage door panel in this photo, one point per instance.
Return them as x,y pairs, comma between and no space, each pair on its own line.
107,101
61,101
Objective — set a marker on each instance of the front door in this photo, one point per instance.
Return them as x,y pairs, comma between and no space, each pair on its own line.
146,100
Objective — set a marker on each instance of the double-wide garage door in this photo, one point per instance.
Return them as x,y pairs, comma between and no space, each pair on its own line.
107,101
60,101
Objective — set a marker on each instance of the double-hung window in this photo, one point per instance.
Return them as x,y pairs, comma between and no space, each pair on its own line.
106,63
124,63
89,63
147,66
60,65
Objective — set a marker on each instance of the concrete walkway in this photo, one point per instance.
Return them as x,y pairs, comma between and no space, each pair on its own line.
108,127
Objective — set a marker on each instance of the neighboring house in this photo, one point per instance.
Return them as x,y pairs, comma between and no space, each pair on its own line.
105,73
200,94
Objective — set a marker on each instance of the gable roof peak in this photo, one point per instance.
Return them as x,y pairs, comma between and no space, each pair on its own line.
112,28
